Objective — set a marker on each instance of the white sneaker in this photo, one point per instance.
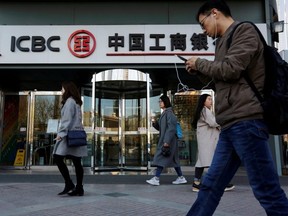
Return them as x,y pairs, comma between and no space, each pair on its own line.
153,181
229,187
180,180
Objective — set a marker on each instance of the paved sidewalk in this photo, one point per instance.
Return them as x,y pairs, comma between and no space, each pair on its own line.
34,199
37,195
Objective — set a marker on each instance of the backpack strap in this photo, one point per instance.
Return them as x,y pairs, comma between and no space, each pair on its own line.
229,41
245,75
253,87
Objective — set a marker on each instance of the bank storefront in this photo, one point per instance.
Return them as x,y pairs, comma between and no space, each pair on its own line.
121,72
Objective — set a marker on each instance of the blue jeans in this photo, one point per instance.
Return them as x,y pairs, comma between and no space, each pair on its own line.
244,142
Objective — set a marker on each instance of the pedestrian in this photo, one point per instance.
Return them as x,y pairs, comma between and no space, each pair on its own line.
167,137
71,118
207,131
244,136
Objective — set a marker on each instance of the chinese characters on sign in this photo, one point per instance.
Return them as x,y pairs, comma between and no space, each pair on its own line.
177,42
111,44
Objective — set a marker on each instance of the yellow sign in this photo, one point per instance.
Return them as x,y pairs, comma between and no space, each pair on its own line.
20,157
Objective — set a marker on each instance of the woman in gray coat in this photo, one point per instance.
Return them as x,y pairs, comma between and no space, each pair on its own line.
71,118
167,137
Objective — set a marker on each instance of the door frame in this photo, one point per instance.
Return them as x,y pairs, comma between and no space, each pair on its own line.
31,96
31,117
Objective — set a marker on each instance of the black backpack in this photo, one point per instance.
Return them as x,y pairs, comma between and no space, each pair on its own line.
275,95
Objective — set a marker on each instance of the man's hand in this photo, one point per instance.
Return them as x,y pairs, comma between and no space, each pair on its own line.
190,65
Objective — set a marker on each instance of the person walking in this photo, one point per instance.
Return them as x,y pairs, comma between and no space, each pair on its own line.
71,118
244,136
167,137
207,133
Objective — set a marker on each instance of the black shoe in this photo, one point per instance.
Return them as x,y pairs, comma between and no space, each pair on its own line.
68,187
77,191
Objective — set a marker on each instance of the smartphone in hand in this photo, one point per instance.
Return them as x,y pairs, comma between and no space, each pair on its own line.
182,58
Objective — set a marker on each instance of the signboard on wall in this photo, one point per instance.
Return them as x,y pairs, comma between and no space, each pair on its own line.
52,126
103,44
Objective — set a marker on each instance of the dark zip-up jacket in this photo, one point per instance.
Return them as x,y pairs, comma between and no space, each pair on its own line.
234,99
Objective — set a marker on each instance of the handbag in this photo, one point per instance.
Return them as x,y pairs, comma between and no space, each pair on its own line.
165,150
76,138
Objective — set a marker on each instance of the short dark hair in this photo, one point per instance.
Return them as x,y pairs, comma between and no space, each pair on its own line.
209,5
166,101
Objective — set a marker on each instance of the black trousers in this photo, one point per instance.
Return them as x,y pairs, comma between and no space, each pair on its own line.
59,160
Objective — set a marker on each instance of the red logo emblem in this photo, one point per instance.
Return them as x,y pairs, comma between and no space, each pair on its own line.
82,43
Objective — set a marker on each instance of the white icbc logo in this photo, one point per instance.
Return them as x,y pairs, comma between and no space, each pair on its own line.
82,43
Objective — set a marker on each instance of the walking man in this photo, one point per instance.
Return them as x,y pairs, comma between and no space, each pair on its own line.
244,136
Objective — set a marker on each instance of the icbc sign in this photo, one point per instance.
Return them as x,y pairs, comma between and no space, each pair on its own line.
82,43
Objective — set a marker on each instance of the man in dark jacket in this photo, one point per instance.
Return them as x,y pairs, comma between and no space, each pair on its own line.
244,135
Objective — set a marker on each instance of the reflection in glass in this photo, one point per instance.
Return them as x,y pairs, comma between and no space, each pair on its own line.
47,107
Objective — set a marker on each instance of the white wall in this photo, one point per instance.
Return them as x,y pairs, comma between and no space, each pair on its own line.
284,54
282,7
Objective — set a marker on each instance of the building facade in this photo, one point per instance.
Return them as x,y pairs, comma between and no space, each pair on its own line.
122,55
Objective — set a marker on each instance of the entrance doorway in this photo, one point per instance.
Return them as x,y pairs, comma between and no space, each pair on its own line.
122,127
116,117
121,136
30,123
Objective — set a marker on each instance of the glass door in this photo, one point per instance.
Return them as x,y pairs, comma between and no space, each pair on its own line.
134,137
121,130
44,118
30,124
184,105
107,133
121,133
14,108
